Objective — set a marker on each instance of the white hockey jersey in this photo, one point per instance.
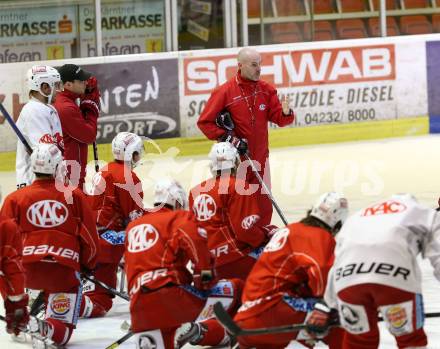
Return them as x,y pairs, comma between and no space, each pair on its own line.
39,123
379,244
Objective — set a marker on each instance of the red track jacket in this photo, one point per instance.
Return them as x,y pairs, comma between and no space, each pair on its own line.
79,129
251,104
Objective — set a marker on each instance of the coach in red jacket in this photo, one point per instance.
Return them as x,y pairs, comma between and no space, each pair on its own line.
78,112
251,103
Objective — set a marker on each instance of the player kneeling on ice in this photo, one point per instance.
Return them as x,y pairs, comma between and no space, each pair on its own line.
117,200
291,275
59,240
226,209
159,246
12,276
376,270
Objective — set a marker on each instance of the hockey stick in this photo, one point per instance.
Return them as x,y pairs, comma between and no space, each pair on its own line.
120,340
37,336
108,288
257,174
228,323
121,279
15,128
38,304
266,189
431,315
95,156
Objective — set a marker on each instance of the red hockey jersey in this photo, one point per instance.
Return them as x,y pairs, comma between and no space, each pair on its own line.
159,246
54,227
117,200
296,261
11,269
230,218
117,196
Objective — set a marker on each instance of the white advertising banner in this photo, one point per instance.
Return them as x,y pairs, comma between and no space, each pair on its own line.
132,27
334,83
33,34
139,93
339,82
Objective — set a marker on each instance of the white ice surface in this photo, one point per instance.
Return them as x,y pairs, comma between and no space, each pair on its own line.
364,171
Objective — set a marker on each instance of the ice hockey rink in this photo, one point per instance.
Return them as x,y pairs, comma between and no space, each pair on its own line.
364,171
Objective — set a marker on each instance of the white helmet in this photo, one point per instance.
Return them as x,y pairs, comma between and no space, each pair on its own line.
168,191
331,208
45,158
125,144
40,74
223,156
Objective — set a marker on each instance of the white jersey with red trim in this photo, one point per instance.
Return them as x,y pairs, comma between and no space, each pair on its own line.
39,123
380,243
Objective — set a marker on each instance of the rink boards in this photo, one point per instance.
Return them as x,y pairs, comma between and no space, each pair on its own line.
340,90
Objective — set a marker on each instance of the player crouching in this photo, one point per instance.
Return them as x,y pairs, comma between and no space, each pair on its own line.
158,248
12,276
290,276
117,200
59,239
227,209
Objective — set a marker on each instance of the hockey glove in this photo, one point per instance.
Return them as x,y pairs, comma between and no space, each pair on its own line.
224,121
87,105
321,319
92,90
84,271
204,279
17,314
239,143
91,98
270,230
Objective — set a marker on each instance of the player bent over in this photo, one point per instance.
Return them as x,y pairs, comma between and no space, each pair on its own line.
38,120
59,239
291,275
117,200
229,214
376,270
158,248
12,276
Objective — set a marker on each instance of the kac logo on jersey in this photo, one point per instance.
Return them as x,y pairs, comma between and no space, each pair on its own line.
249,221
387,207
142,237
204,207
47,213
60,304
262,107
277,241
